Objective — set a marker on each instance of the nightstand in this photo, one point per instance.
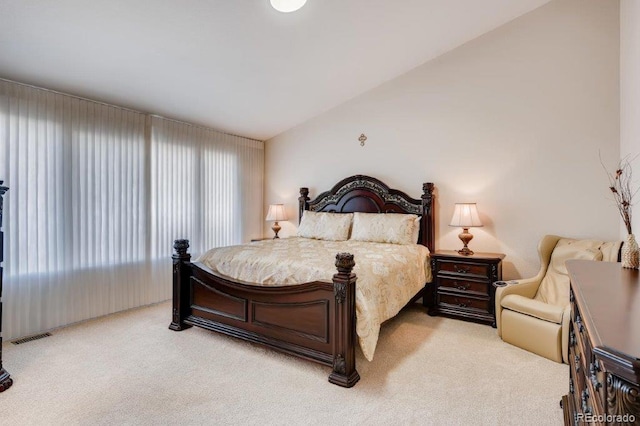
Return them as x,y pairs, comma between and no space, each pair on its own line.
462,285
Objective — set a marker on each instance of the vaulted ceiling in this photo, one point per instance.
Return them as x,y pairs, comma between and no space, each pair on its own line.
235,65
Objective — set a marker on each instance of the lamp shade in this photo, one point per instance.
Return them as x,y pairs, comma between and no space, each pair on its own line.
276,212
465,215
287,5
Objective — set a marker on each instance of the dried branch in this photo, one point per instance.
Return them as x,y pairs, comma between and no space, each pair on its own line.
620,183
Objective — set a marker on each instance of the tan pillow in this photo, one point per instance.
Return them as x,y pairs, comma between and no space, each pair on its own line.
554,288
393,228
325,226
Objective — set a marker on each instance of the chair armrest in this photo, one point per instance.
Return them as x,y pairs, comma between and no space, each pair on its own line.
526,288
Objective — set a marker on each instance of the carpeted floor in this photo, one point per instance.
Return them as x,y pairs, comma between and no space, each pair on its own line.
129,368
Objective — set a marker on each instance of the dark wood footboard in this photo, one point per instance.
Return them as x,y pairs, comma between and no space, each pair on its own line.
315,320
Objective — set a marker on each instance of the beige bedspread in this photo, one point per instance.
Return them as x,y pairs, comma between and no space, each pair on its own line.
388,275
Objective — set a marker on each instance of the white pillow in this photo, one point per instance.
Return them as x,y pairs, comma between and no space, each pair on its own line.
393,228
325,226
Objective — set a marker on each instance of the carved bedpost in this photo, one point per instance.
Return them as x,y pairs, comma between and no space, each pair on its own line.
303,202
344,351
428,216
181,274
5,379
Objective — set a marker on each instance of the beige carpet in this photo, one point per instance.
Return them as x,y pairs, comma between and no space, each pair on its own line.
128,368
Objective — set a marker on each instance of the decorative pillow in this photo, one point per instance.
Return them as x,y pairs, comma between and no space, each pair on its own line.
384,228
325,226
554,288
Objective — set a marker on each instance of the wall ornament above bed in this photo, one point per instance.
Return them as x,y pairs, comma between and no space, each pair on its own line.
362,139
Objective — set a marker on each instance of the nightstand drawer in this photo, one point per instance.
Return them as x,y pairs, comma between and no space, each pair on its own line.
464,286
463,302
464,268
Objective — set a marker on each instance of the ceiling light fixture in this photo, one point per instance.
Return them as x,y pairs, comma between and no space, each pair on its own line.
287,5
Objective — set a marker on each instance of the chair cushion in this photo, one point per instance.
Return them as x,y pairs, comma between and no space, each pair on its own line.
532,307
554,288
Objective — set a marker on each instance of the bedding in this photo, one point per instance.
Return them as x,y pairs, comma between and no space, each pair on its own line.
389,275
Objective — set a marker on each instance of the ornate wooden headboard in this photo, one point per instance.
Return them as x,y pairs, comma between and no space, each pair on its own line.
366,194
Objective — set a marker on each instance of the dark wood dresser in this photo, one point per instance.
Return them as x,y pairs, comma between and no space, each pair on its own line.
462,285
5,379
604,345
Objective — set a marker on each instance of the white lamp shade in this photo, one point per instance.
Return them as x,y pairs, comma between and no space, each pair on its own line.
465,215
276,212
287,5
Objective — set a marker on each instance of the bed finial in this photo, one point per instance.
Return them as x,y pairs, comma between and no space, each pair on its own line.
345,262
427,188
181,246
303,202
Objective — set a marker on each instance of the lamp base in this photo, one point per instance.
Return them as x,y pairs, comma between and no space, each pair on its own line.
276,228
465,251
465,236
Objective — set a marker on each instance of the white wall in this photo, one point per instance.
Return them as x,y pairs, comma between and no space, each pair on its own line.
513,120
630,90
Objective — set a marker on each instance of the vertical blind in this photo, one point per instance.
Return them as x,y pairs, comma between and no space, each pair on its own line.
98,193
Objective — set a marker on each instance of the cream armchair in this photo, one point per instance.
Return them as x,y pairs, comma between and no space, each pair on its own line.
534,313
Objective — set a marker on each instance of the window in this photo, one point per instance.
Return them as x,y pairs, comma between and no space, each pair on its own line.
97,194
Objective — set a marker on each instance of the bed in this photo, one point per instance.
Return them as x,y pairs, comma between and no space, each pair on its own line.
315,320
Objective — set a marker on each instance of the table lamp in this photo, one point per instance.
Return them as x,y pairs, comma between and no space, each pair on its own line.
276,212
465,216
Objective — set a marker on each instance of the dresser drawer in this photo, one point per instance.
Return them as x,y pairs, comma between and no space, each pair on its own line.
464,269
462,302
465,286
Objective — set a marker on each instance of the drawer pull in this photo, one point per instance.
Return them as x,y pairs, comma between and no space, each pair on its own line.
571,388
462,287
461,269
579,323
462,303
594,368
584,399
